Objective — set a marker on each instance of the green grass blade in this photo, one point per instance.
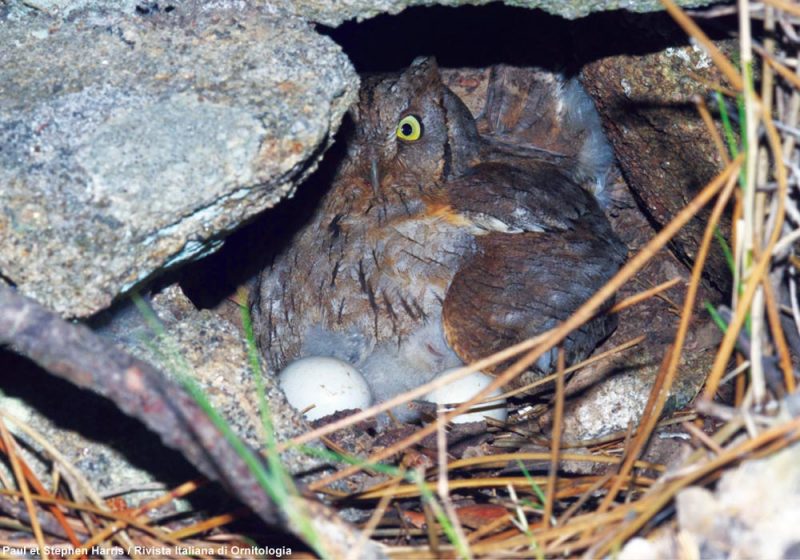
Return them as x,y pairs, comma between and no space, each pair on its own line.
535,487
715,316
727,127
726,249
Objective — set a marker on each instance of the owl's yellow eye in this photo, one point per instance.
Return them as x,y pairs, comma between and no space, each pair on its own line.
409,128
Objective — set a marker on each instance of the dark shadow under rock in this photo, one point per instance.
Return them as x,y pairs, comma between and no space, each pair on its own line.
114,452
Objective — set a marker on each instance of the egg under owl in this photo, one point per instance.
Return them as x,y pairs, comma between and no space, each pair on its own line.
439,243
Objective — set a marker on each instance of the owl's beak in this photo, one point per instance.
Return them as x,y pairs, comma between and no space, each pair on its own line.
374,175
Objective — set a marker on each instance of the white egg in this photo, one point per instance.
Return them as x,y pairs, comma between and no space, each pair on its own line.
464,389
330,385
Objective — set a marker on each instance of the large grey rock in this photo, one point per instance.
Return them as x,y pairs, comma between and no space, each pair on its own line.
334,12
661,142
131,143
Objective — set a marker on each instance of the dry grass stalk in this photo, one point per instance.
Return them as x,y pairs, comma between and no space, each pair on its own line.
17,468
29,478
693,30
588,361
555,447
79,486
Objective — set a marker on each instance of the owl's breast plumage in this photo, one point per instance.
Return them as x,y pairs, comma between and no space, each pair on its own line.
370,284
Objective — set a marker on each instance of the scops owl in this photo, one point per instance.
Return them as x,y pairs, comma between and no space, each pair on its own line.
439,244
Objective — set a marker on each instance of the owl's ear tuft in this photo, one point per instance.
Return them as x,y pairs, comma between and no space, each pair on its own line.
424,71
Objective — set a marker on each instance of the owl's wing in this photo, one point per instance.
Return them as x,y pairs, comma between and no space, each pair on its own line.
519,285
522,107
544,250
539,196
534,110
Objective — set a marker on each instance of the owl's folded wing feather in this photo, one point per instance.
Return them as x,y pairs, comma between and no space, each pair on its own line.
544,250
538,196
519,285
522,107
530,109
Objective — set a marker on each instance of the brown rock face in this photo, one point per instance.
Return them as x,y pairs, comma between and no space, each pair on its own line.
663,147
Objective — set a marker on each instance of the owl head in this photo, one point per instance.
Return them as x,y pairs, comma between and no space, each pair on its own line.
411,130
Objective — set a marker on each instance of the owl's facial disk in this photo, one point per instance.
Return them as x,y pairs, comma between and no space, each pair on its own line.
403,128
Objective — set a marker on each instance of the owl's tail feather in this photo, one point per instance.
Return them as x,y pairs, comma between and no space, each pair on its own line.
545,111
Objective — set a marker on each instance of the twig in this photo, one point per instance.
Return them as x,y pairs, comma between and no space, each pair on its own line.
752,203
776,328
78,484
30,477
76,354
702,437
487,461
585,363
785,5
555,446
442,487
571,510
211,523
374,521
50,525
16,467
647,294
705,114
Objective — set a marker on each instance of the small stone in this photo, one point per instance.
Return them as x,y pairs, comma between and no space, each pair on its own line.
697,510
